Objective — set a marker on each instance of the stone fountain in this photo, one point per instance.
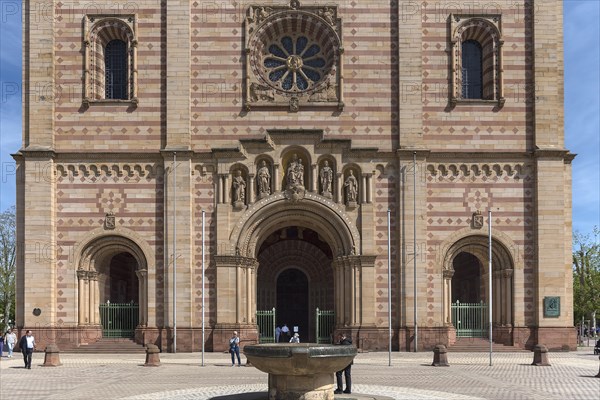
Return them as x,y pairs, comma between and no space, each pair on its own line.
300,371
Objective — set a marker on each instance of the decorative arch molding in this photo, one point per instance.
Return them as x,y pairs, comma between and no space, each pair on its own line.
314,212
76,170
95,241
503,248
91,252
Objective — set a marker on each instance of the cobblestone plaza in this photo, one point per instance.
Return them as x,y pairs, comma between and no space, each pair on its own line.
181,377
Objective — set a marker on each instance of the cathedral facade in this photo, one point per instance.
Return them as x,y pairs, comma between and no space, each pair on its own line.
190,168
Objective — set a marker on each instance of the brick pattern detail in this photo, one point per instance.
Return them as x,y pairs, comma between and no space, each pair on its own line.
478,127
386,192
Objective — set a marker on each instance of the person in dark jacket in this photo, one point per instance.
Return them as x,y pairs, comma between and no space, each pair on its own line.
27,346
344,341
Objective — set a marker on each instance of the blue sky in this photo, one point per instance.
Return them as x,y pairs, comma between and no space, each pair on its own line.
582,104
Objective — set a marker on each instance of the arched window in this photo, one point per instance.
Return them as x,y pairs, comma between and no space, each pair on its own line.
110,72
476,59
115,70
472,70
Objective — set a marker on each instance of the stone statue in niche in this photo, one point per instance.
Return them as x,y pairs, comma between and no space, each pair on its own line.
264,180
239,189
295,179
351,187
295,172
326,175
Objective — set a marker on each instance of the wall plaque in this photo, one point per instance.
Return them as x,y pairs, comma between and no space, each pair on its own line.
551,307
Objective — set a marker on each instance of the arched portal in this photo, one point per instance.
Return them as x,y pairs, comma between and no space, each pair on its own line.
112,286
466,274
311,234
295,276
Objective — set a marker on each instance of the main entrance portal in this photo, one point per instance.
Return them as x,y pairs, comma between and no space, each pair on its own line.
292,300
295,277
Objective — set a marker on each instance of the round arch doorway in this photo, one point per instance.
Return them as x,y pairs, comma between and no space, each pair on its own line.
292,301
295,276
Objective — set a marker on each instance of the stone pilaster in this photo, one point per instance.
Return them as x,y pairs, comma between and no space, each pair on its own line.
178,74
38,74
178,232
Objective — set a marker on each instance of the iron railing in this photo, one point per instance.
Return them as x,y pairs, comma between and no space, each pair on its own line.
119,320
325,322
470,319
266,326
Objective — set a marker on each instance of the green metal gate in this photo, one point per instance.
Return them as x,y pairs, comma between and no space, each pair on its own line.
266,326
470,319
119,320
325,321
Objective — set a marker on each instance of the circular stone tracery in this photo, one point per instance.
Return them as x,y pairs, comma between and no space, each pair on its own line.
294,53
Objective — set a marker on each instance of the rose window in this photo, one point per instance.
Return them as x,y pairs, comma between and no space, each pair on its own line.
295,63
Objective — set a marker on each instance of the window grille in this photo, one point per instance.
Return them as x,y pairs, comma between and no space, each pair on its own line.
472,71
115,62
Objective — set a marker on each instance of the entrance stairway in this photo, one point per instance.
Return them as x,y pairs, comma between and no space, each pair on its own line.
480,345
108,346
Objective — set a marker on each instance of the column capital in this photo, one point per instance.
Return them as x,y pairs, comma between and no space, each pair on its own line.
448,273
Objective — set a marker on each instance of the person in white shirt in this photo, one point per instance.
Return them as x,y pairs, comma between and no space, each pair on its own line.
295,338
27,346
10,340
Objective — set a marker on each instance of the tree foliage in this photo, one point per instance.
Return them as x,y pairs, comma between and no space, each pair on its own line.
586,276
7,265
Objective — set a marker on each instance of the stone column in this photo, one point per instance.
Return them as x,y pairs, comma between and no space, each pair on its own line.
142,275
220,194
448,274
93,298
314,187
250,186
508,296
226,188
497,288
338,188
339,291
276,179
81,275
369,188
363,189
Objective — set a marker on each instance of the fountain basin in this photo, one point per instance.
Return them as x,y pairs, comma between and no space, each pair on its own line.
300,371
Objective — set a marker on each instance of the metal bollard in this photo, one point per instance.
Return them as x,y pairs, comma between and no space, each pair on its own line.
52,356
440,356
152,356
598,376
540,356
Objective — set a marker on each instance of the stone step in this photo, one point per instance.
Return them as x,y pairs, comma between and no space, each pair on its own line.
107,346
480,345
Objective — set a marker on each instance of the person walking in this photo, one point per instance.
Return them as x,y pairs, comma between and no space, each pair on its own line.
10,339
27,346
234,349
285,333
344,341
277,334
